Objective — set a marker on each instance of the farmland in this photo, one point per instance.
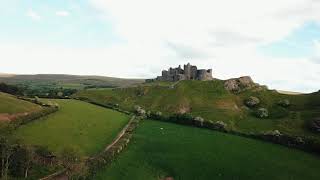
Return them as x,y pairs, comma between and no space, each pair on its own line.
212,101
78,125
160,150
11,105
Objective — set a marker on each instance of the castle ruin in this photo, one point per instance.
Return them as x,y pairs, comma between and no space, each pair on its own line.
188,72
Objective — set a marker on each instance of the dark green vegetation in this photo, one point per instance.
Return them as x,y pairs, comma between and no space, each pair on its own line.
68,81
11,105
211,101
160,150
77,125
61,86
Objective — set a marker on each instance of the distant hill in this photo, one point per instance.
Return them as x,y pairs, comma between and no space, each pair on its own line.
289,92
68,81
6,75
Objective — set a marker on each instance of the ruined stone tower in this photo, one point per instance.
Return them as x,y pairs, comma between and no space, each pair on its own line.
188,72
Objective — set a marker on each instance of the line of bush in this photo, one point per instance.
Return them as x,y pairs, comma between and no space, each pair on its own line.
34,115
106,157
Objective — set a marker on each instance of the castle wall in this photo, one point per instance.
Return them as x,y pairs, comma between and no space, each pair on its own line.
187,73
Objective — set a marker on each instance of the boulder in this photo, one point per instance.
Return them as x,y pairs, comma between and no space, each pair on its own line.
140,111
199,121
275,133
220,125
252,101
315,125
237,85
284,103
262,113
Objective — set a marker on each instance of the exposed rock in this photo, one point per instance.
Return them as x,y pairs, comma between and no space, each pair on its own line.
237,85
199,121
315,125
140,111
220,125
276,133
262,113
284,103
252,101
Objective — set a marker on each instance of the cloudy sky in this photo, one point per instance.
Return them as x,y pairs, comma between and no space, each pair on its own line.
276,42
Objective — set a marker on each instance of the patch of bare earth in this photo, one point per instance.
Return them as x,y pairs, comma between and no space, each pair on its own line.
227,104
5,117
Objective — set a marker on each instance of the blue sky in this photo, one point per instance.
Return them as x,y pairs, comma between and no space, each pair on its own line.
298,44
276,42
82,27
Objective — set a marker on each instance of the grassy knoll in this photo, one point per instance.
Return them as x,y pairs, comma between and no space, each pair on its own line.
11,105
79,125
160,149
211,101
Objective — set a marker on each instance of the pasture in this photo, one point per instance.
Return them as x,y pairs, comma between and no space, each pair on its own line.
159,150
78,125
11,105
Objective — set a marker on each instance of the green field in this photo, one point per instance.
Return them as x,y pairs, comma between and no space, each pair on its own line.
210,100
11,105
79,125
160,150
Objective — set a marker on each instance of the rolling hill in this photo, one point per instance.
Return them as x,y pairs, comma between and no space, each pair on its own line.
68,81
210,100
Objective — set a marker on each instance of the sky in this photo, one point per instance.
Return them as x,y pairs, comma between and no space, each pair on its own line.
276,42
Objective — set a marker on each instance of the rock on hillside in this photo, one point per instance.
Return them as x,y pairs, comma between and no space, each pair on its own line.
239,84
315,124
252,101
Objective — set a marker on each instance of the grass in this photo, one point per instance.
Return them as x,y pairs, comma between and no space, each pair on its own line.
160,150
11,105
79,125
211,101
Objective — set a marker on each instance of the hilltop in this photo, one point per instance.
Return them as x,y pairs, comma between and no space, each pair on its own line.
218,100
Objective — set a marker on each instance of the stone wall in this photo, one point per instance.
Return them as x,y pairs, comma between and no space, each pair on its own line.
188,72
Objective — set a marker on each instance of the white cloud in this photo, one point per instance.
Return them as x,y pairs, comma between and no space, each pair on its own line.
219,34
62,13
222,35
34,15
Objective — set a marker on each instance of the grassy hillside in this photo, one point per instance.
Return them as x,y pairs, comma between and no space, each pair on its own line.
78,125
11,105
67,81
160,150
211,101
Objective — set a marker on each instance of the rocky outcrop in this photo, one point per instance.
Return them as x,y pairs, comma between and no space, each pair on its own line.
315,125
237,85
262,113
252,101
284,103
139,110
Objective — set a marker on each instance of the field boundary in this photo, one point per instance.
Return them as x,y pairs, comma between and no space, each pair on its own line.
108,155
